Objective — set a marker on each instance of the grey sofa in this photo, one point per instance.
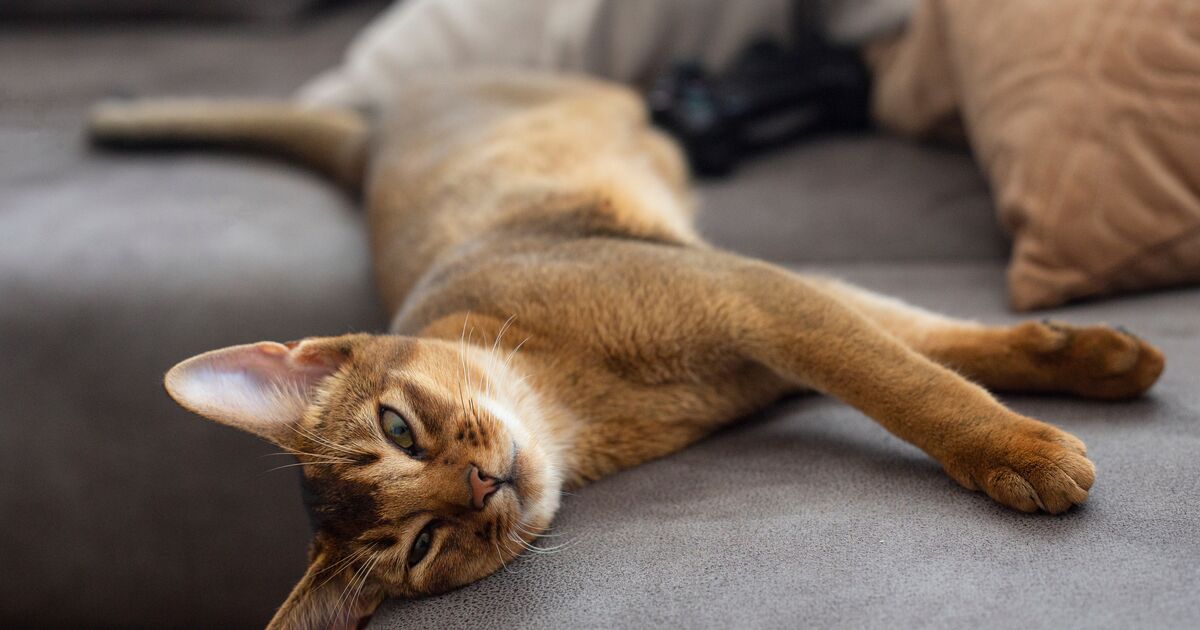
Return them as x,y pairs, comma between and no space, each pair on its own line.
118,509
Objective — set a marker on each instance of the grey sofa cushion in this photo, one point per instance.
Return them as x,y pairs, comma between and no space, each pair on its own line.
848,198
117,508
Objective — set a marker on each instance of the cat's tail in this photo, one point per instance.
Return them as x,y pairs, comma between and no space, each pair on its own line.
331,141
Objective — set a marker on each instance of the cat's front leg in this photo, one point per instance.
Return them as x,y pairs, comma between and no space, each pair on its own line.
816,340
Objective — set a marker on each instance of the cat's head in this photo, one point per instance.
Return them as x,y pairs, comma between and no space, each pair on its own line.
425,466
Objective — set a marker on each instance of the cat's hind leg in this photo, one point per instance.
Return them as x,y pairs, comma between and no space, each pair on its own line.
1045,356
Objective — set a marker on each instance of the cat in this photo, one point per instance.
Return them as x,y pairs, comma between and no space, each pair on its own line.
556,318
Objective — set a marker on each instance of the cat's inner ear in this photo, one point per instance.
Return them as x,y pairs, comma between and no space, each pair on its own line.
330,595
262,388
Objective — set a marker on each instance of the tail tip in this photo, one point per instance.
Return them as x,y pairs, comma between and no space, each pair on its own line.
111,121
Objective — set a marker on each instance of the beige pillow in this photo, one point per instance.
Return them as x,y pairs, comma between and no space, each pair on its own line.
1085,116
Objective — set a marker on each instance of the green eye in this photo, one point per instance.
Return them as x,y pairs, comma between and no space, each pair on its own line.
421,545
397,429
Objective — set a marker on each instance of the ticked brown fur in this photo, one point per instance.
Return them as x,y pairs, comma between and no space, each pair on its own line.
556,318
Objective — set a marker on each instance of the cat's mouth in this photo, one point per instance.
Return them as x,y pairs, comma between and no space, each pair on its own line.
484,488
515,479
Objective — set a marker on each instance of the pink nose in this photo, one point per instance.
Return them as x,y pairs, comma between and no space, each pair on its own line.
482,486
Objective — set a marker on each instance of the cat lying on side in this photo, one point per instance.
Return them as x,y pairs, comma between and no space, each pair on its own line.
556,318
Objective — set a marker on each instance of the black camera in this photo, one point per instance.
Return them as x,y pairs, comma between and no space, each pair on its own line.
769,96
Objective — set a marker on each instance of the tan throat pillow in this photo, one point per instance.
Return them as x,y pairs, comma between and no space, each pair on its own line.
1085,116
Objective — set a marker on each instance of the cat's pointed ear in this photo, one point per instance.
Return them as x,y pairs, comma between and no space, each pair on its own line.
262,388
342,600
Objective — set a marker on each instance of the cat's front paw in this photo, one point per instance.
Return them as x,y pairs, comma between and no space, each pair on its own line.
1026,465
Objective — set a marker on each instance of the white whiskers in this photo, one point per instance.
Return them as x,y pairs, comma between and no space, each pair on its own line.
358,580
305,433
307,463
528,546
500,557
334,568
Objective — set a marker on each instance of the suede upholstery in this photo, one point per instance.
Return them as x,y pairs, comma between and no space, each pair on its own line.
118,509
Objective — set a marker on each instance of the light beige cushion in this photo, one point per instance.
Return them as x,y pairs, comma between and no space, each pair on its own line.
1085,115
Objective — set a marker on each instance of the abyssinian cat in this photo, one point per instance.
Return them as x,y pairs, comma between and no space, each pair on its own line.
556,318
